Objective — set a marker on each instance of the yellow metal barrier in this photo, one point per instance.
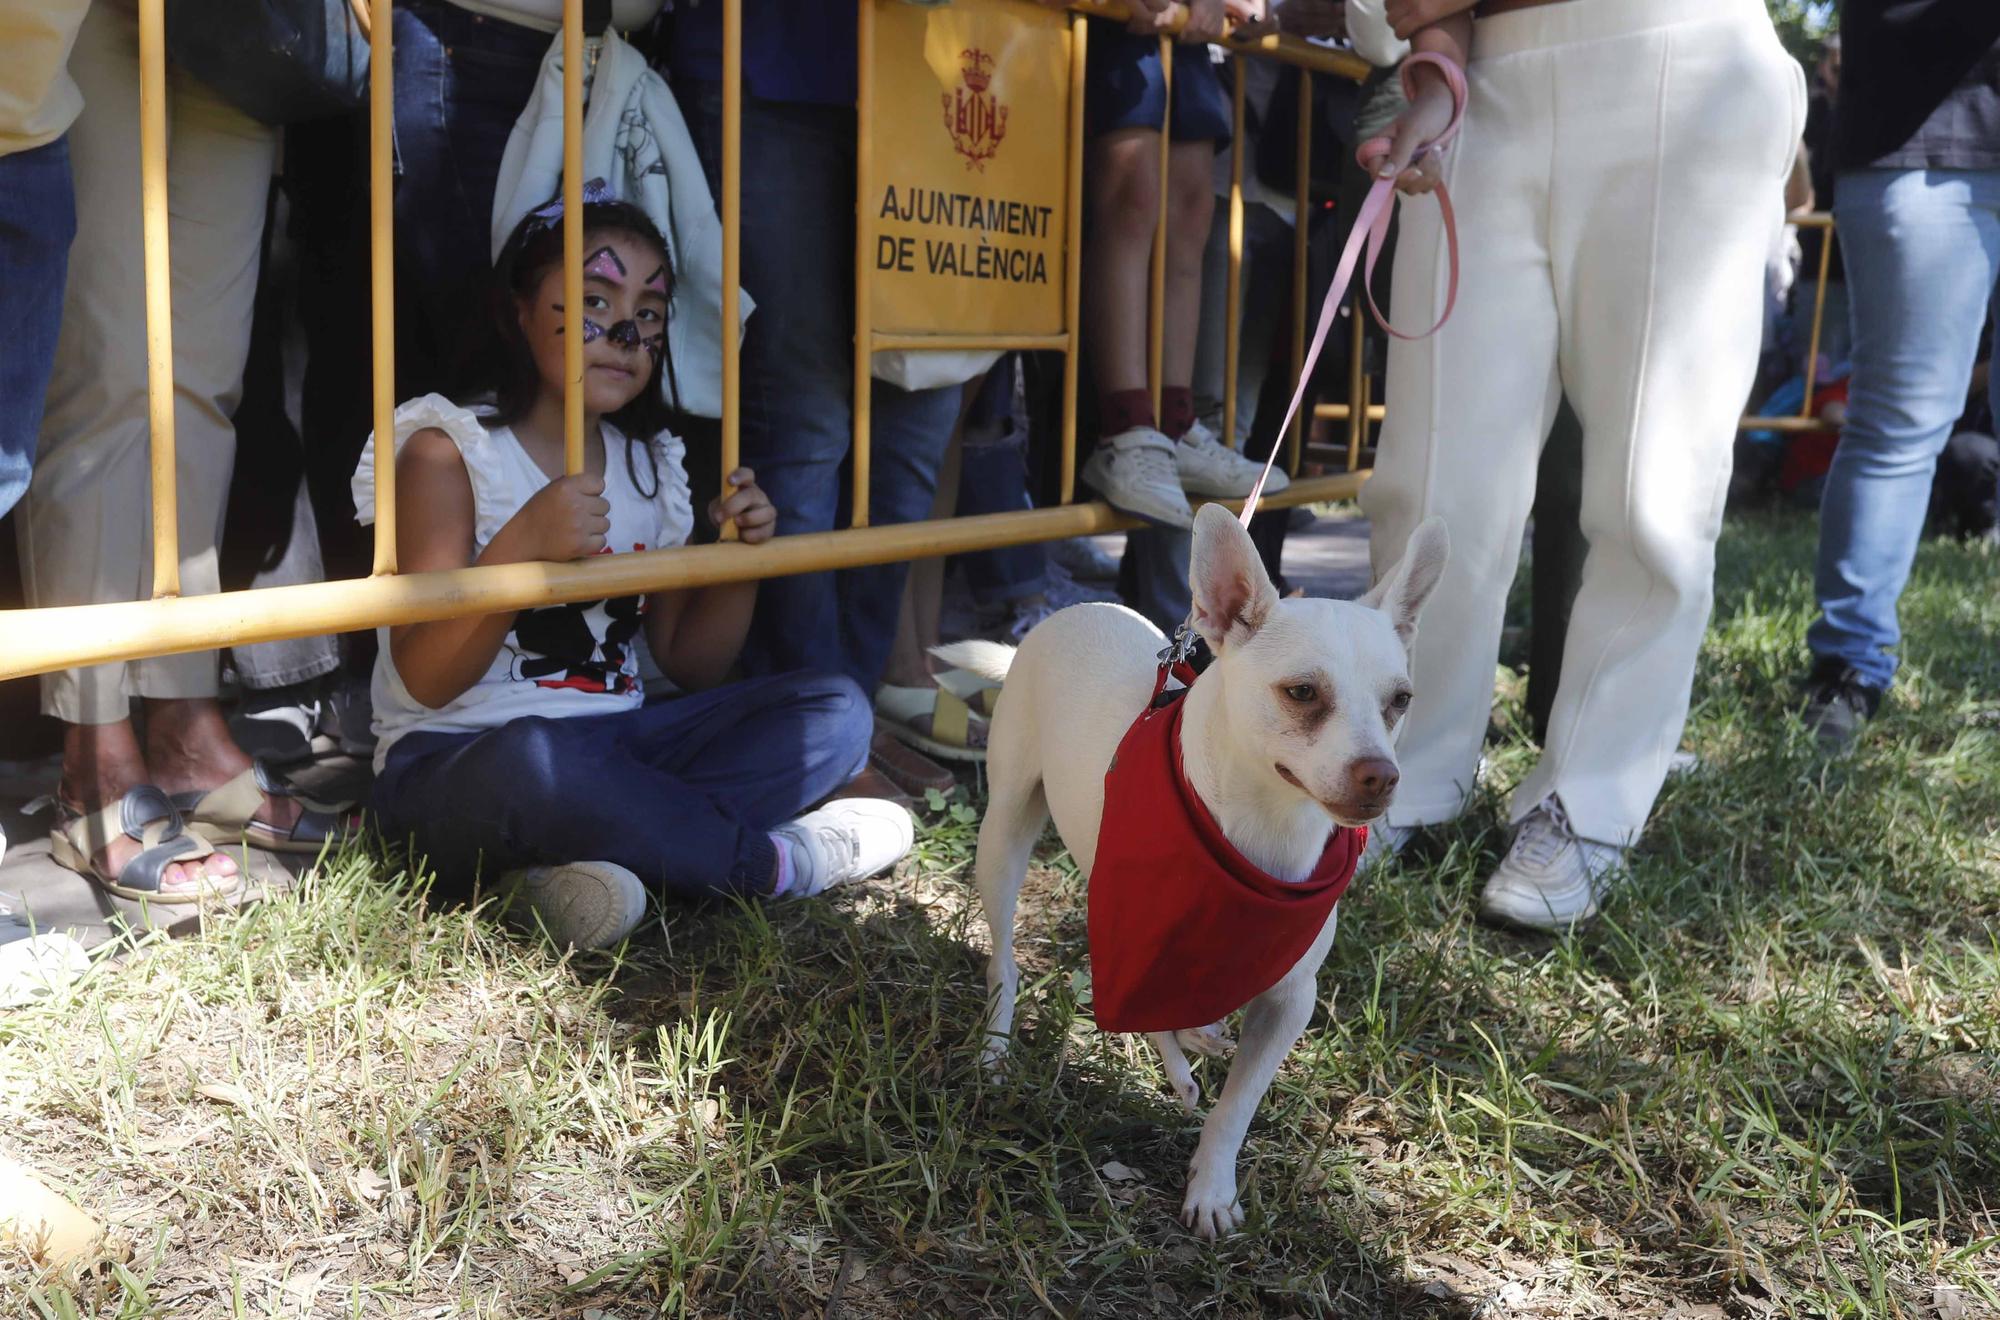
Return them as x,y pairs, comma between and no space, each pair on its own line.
35,641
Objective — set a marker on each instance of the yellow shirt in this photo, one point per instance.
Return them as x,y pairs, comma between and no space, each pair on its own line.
38,99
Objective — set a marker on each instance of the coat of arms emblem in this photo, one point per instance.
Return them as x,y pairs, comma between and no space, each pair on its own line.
973,115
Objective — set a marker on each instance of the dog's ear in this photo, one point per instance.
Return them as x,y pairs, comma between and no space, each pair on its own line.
1233,596
1403,589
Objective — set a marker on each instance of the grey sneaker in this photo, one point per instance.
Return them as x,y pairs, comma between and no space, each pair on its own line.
582,905
1550,879
1838,703
847,839
1135,473
1209,467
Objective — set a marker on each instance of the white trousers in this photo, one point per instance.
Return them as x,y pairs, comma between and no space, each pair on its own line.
1618,180
86,524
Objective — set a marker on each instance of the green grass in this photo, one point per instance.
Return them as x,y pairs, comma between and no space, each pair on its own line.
1765,1084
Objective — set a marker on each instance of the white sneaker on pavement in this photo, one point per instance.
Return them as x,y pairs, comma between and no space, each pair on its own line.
1385,841
1135,472
847,839
1550,879
584,905
1209,467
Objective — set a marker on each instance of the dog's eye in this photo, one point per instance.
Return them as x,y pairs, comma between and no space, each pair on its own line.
1401,701
1302,692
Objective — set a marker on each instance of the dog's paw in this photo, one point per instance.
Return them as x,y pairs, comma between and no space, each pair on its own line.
1211,1208
1211,1041
993,1059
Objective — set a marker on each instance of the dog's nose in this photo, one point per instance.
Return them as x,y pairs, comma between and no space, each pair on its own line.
1374,777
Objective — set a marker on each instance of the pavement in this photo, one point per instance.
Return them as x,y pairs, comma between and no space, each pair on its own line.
1327,558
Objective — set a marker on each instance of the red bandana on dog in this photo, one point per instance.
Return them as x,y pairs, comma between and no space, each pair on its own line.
1185,930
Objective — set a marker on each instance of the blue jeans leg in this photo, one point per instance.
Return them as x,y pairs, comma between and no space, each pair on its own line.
1923,254
682,792
462,80
37,221
797,385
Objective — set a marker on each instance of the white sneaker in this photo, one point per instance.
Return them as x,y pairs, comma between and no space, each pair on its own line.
584,905
1135,472
847,839
1209,467
1550,879
1385,841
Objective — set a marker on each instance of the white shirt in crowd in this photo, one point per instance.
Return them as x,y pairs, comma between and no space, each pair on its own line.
561,660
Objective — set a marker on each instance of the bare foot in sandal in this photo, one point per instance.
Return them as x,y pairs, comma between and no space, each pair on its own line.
102,763
189,749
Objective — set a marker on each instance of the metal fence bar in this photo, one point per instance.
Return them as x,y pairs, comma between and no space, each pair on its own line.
1357,385
732,245
1301,221
1004,343
1079,38
91,634
159,294
1232,333
572,236
1156,308
864,257
382,272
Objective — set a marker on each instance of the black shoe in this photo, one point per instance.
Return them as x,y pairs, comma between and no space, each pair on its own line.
1837,704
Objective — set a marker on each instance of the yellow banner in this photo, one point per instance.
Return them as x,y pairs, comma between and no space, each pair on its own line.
970,137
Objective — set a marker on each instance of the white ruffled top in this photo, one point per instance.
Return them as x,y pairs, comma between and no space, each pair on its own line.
564,660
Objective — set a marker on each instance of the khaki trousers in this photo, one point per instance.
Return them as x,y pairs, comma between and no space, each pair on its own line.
86,524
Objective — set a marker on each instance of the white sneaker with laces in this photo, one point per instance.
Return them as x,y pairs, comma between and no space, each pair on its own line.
583,905
1209,467
1385,841
1550,879
1135,473
847,839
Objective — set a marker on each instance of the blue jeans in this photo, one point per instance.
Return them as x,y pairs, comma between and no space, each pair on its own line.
462,80
798,384
1923,254
681,792
37,221
993,478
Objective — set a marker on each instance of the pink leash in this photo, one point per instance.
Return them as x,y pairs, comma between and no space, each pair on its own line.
1370,232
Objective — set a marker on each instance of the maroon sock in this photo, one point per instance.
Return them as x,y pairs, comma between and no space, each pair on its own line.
1176,411
1119,411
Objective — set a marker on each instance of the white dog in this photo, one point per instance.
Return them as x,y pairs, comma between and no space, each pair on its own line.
1287,734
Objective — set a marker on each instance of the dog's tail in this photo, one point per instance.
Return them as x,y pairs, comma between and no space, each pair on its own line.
989,660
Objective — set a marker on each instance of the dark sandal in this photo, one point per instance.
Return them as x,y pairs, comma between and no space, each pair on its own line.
147,815
227,816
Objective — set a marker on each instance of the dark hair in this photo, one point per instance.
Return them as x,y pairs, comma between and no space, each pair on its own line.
504,369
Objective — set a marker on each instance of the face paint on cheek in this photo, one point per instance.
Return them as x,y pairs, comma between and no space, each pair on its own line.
652,344
591,329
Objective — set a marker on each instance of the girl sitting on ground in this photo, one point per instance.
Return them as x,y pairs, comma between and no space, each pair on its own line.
522,742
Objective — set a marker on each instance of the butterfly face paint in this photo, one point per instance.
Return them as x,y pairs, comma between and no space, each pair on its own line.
591,329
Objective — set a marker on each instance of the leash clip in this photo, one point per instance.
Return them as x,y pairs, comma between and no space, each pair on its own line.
1176,652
